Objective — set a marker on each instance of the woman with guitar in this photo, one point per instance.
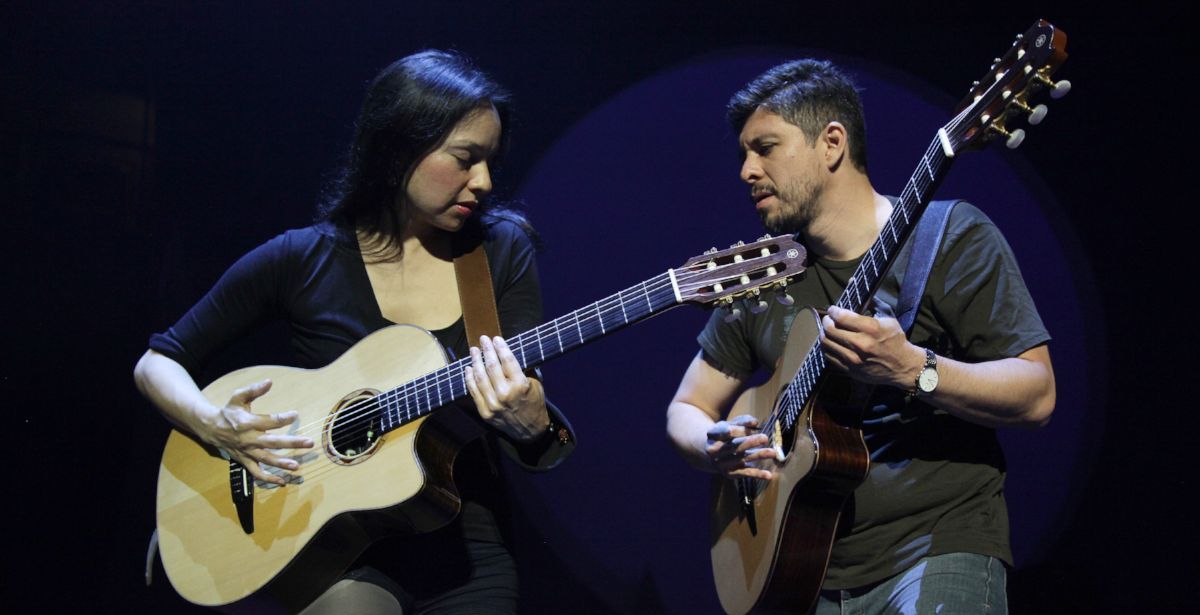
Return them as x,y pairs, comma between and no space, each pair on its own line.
409,201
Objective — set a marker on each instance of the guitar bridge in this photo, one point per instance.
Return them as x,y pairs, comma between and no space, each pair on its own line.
746,497
241,484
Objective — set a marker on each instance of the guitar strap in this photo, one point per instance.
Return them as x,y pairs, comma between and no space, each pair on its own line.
926,239
476,295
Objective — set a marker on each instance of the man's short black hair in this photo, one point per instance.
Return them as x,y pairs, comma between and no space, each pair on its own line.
808,94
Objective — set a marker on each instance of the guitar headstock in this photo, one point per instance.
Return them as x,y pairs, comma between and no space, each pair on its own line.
1005,92
744,269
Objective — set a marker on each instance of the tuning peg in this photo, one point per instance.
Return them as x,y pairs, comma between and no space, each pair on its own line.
738,244
1013,139
1036,114
1057,90
783,298
765,237
711,251
734,315
759,306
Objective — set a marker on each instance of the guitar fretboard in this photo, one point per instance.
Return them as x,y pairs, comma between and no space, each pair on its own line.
867,276
420,396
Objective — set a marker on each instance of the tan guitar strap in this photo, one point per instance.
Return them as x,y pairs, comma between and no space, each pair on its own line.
476,295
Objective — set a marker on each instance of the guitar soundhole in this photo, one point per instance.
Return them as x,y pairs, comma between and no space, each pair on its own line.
782,439
352,430
787,437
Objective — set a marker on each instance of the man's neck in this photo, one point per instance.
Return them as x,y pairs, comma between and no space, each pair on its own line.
851,215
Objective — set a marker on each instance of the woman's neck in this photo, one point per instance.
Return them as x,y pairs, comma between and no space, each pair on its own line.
413,243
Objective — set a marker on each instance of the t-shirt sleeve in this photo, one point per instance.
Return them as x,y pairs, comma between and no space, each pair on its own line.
245,296
724,345
984,302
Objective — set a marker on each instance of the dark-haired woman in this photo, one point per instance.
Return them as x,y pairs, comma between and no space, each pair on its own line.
411,196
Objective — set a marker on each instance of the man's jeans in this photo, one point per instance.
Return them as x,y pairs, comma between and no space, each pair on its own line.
948,584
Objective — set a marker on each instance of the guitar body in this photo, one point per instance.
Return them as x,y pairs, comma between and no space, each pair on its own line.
307,533
771,556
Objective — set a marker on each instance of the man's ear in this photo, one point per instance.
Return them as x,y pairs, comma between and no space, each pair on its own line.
834,140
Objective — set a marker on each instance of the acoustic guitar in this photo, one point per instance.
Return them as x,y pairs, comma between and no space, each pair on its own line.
383,456
771,540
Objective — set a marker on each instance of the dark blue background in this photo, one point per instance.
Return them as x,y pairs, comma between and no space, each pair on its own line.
116,223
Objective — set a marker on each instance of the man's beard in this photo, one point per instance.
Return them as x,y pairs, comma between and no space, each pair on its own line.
797,207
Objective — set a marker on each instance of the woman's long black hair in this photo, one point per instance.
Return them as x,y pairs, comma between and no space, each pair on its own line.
410,107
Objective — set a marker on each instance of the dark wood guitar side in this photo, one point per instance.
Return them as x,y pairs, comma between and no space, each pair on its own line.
771,540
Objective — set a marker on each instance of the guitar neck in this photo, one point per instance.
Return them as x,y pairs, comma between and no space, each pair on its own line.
532,348
870,271
591,322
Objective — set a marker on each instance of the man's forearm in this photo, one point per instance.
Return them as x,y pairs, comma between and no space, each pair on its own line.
1013,392
687,427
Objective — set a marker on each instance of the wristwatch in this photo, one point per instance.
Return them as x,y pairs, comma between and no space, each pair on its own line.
927,380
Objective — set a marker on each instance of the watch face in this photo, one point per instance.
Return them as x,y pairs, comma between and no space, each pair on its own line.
928,380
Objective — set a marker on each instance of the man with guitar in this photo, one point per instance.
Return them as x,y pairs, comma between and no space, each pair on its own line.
926,530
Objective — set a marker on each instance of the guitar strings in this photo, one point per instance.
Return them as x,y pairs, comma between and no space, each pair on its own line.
410,392
585,320
585,326
356,418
